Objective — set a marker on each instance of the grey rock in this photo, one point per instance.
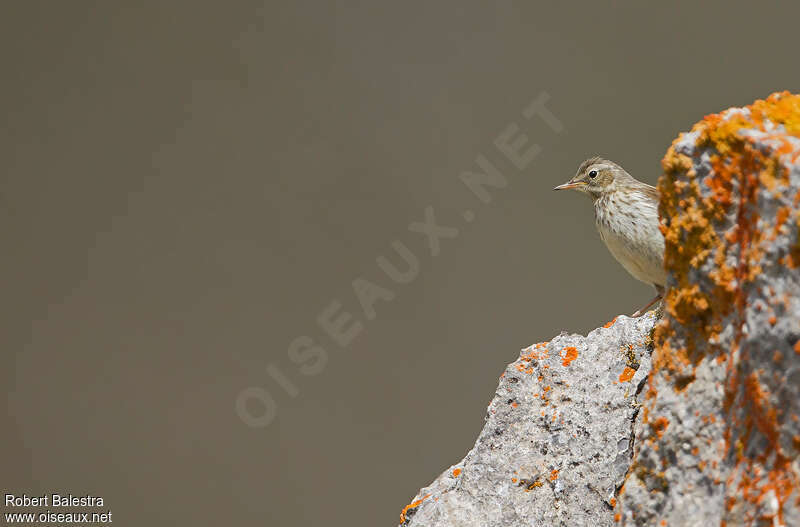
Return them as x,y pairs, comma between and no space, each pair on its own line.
558,437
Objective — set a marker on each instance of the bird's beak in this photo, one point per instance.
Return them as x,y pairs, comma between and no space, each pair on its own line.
569,185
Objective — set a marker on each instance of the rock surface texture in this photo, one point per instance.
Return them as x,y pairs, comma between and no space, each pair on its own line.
692,420
719,437
558,436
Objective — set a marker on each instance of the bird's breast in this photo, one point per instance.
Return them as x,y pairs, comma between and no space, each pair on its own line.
628,225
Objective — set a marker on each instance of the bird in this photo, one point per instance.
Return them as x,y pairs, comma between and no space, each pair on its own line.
626,216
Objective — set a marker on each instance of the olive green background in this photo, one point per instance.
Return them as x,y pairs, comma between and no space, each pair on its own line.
187,185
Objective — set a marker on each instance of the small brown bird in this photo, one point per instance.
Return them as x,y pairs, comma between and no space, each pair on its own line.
626,215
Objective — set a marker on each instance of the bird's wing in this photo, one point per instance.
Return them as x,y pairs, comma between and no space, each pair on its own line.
650,191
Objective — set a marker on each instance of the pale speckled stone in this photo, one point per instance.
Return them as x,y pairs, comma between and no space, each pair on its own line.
588,442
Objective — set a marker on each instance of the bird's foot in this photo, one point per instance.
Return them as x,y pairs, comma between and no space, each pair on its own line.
644,309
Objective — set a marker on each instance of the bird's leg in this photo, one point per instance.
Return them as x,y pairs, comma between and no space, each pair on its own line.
659,296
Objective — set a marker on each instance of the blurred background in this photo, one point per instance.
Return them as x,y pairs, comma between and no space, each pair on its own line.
188,186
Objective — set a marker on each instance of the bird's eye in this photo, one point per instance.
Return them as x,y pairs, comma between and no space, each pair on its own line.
593,174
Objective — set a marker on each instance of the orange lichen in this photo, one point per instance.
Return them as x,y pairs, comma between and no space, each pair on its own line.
617,517
627,374
569,354
690,234
781,216
534,353
456,472
522,369
612,502
696,209
412,505
659,426
764,415
554,475
610,323
530,484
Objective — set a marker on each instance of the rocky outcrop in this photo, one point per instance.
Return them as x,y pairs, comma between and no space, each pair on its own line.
719,437
691,420
558,437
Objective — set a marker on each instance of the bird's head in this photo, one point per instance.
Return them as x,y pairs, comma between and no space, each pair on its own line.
597,176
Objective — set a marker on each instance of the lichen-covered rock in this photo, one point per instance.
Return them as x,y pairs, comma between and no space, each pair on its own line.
718,438
558,436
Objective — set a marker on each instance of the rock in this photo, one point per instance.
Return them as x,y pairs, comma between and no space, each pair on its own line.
558,436
718,436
